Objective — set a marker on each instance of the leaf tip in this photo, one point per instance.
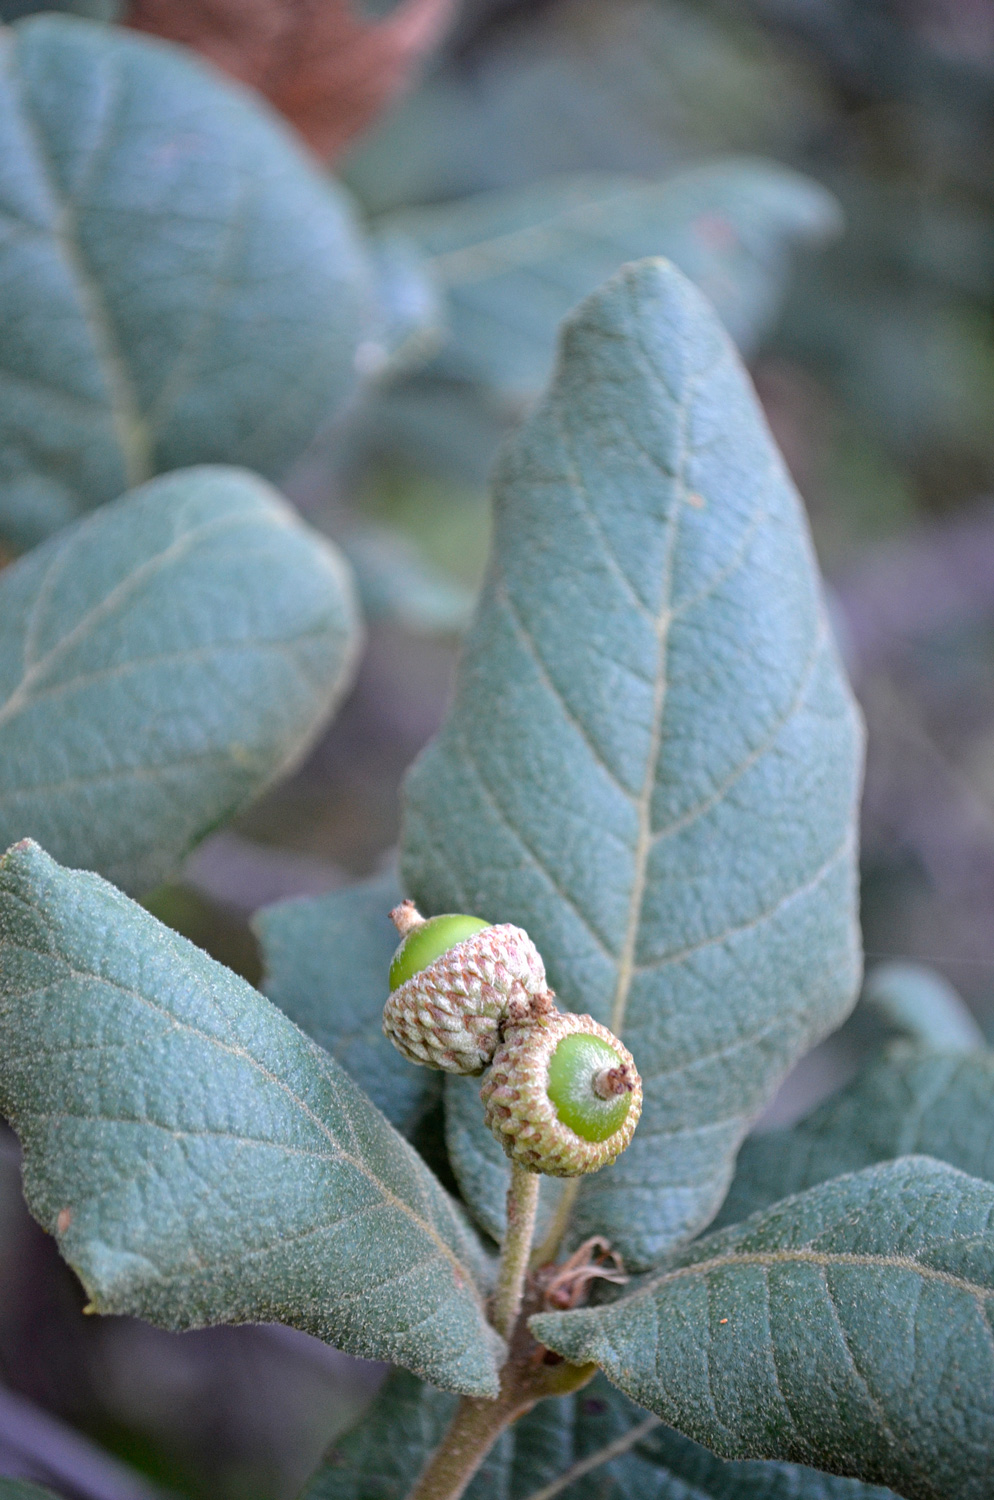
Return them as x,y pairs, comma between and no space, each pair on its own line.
26,847
564,1334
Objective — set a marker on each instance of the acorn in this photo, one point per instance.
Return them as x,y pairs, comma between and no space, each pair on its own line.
563,1095
455,981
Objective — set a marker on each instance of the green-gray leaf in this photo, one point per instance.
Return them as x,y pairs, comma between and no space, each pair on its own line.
178,283
326,960
161,661
199,1159
908,1102
921,1004
622,1455
514,263
848,1328
652,759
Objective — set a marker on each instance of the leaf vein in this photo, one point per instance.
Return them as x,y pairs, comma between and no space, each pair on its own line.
531,646
872,1400
542,868
715,939
702,808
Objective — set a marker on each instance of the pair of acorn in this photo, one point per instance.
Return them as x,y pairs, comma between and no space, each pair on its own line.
562,1094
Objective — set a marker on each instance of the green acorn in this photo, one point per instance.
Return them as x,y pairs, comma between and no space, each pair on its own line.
454,982
563,1096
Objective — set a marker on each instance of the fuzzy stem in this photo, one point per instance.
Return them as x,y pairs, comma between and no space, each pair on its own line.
525,1380
522,1205
529,1374
474,1429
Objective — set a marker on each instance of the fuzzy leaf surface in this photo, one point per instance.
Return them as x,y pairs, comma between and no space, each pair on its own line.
178,283
652,758
381,1459
848,1328
161,661
326,960
515,263
909,1102
199,1160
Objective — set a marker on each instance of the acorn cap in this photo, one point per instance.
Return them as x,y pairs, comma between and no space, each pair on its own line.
450,1014
563,1096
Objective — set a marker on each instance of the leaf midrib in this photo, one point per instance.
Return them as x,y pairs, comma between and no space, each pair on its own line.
497,254
102,675
825,1259
133,435
643,804
663,620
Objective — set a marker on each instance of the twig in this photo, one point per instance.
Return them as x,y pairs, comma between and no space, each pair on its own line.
474,1429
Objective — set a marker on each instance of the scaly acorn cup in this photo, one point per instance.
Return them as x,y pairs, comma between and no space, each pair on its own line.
454,982
563,1096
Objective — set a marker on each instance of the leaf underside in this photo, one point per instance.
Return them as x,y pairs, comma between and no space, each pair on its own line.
178,284
161,661
199,1160
849,1328
652,759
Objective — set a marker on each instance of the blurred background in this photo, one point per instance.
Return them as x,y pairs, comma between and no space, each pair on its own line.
871,342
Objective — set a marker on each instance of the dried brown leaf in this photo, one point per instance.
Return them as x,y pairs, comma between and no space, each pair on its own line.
325,68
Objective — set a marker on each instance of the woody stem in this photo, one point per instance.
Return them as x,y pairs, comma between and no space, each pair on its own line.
472,1432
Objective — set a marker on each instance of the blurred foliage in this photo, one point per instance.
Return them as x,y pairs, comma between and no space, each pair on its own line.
878,380
883,363
877,377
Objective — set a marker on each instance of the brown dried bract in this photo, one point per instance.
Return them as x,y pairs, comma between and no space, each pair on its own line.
567,1286
325,68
